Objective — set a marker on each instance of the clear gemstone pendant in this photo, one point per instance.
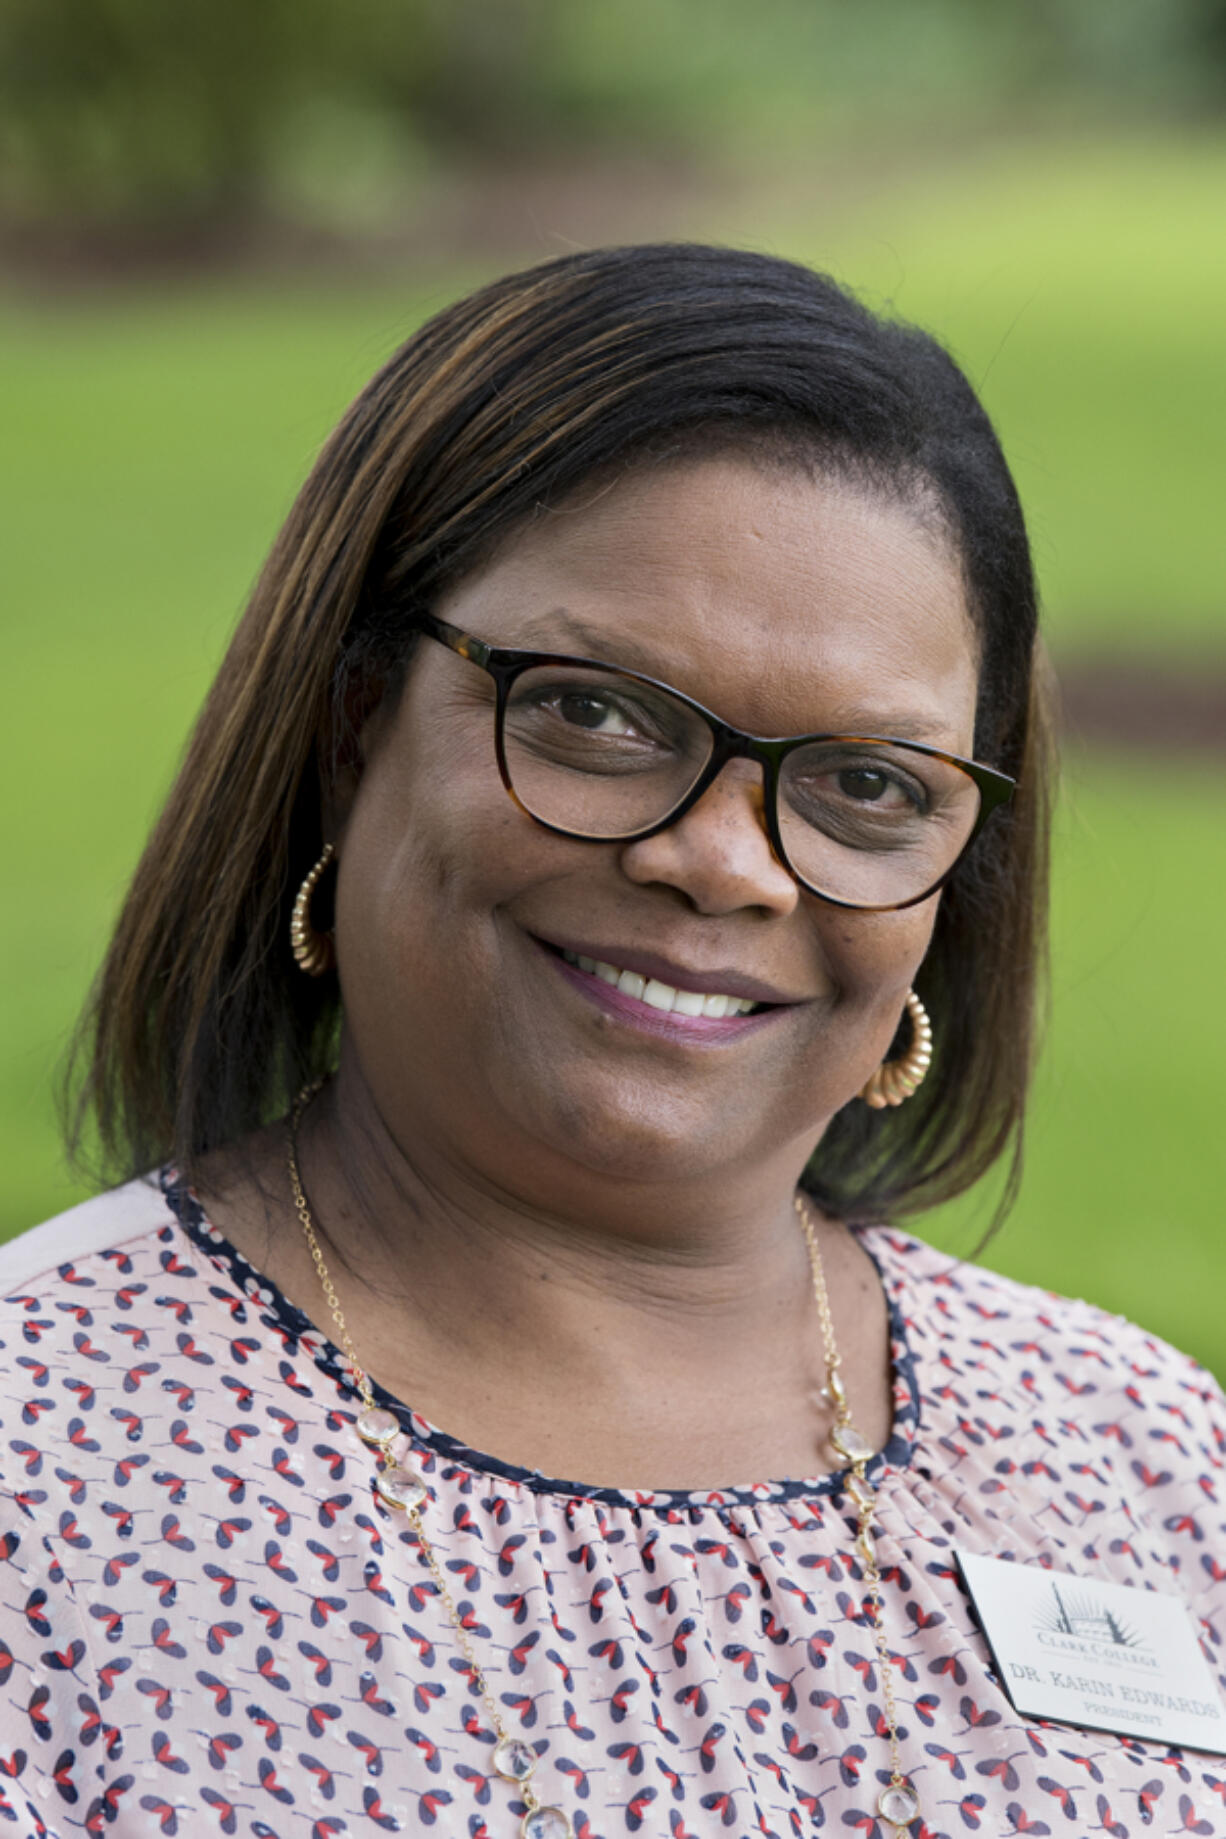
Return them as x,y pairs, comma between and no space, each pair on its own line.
849,1442
899,1804
514,1760
377,1426
400,1488
546,1823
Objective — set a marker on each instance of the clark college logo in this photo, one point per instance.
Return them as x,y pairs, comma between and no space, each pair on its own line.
1074,1619
1080,1614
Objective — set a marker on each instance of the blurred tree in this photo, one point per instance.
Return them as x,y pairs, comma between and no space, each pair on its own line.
115,108
192,112
109,107
1208,44
1160,51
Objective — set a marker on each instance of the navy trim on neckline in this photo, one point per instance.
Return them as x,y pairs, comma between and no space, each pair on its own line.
293,1322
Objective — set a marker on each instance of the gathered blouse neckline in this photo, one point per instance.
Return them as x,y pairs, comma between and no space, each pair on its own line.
297,1330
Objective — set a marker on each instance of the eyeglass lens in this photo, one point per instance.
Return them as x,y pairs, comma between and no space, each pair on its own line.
606,756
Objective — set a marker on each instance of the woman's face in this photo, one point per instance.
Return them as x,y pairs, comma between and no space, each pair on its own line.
787,605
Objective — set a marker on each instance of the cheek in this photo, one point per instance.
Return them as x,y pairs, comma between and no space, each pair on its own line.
874,959
433,848
404,884
870,947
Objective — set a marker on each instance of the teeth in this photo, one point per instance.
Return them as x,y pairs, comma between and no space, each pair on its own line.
659,995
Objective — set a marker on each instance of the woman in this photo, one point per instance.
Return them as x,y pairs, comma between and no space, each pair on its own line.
531,1051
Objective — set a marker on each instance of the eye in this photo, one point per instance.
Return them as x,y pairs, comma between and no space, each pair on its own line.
586,709
598,708
865,793
867,784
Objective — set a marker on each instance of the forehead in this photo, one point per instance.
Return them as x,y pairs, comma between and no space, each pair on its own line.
787,603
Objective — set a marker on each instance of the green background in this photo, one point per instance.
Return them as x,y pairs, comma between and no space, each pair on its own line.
154,437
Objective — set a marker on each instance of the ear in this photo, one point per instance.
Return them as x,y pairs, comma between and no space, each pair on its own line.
338,790
355,727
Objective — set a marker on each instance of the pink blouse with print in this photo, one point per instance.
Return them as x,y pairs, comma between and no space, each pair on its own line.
209,1623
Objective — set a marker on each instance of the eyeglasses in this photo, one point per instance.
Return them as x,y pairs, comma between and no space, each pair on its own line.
607,755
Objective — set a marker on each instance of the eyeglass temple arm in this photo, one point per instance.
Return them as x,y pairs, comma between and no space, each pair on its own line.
463,642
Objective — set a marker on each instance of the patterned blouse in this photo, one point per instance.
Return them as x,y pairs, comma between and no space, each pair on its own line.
210,1624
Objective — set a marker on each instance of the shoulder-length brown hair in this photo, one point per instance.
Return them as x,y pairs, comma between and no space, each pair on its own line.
201,1027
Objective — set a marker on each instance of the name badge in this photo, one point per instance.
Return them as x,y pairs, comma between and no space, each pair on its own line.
1079,1650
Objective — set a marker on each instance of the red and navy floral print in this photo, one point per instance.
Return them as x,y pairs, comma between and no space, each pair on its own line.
208,1624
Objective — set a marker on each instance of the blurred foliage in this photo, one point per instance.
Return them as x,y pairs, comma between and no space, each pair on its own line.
203,111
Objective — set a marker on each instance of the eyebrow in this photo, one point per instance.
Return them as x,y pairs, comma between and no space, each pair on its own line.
897,727
617,648
597,642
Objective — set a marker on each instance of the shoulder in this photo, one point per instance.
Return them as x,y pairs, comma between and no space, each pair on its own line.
100,1224
116,1321
1075,1435
953,1298
1071,1364
75,1298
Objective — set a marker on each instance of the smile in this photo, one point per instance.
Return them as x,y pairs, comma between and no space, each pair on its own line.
662,996
648,1004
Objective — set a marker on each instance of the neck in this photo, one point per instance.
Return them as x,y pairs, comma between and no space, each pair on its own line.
410,1228
589,1326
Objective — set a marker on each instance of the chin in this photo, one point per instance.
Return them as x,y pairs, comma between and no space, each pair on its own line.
641,1136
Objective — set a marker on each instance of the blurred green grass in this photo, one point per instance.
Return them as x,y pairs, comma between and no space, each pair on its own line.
1126,1157
154,444
1082,285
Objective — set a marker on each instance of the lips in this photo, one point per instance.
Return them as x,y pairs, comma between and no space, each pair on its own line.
653,996
682,980
666,997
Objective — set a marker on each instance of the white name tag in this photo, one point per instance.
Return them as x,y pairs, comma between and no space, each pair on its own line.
1083,1651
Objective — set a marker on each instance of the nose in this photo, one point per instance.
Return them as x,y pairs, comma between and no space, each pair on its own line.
719,855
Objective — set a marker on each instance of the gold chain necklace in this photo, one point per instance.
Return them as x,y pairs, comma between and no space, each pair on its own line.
402,1489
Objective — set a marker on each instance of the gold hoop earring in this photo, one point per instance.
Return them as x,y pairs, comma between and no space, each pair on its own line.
895,1080
314,952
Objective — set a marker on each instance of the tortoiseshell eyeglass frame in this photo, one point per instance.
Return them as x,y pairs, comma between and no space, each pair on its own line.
505,663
